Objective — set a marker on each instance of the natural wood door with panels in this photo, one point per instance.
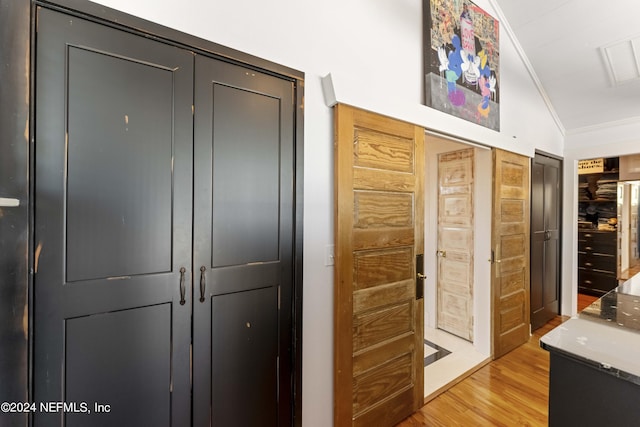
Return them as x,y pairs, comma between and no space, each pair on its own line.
455,242
379,234
510,253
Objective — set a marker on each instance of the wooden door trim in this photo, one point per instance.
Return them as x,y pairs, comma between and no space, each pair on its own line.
343,361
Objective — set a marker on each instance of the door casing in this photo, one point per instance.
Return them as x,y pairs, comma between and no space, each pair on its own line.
15,245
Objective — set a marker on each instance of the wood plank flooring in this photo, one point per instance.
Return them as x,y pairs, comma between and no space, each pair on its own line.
585,300
510,391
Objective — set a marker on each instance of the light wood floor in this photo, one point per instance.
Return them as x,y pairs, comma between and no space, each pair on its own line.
510,391
585,300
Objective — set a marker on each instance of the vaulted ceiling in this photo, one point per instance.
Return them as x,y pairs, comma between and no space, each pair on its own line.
585,54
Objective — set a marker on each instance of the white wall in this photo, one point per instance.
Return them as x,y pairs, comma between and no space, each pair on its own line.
373,50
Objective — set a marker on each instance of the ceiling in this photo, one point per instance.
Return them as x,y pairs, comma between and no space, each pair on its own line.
568,43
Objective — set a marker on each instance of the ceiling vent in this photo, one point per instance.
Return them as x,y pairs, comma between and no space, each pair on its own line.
621,61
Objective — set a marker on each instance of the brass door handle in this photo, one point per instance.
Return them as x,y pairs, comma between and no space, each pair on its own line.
442,254
422,276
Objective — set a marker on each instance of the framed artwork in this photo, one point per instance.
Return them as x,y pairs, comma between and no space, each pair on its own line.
461,61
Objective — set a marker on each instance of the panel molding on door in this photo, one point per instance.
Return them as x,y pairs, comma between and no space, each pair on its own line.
112,209
243,245
456,242
379,232
546,216
510,243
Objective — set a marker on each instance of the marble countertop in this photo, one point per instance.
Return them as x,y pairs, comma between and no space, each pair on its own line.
606,334
619,307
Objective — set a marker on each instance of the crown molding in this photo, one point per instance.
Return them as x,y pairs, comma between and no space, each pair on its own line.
603,126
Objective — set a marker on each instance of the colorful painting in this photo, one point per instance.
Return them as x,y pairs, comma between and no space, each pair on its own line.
461,61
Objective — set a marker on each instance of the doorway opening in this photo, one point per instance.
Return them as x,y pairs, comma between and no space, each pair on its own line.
608,248
451,351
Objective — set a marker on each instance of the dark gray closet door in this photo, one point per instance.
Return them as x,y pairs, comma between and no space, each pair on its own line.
113,196
243,222
545,239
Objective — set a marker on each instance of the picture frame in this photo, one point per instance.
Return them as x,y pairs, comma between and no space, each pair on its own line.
462,61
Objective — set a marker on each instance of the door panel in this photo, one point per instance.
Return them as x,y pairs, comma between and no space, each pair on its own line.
379,232
118,198
545,239
510,240
244,335
113,146
91,361
455,242
243,242
246,176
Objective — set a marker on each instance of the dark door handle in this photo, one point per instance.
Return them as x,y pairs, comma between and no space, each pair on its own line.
203,283
182,287
420,276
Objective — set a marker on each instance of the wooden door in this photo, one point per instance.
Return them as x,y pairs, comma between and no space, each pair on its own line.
545,239
510,243
455,243
379,183
243,246
112,282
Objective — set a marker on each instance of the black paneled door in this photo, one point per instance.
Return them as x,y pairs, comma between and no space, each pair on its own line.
546,173
243,240
163,276
113,159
